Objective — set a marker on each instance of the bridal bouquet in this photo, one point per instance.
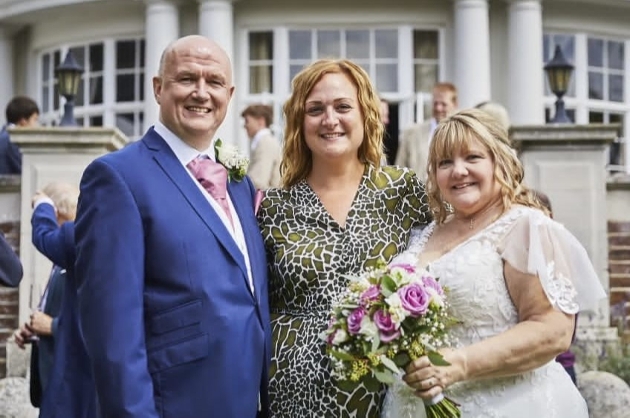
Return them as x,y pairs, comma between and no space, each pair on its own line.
387,317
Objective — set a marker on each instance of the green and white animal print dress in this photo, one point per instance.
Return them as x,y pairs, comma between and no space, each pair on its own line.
308,252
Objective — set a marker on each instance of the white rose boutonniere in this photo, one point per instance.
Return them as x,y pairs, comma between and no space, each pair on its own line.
229,156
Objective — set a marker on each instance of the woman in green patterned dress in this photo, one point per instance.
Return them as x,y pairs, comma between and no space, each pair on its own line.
337,213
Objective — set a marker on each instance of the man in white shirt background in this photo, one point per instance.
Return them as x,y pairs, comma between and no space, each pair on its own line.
265,151
413,147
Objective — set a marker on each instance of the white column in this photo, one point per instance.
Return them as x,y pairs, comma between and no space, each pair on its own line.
216,21
472,52
6,71
162,28
525,62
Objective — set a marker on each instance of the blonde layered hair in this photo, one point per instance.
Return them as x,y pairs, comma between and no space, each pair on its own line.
457,132
297,160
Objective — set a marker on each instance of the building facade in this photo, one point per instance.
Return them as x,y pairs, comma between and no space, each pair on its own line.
491,49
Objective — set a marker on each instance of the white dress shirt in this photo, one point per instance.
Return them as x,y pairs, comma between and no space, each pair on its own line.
185,154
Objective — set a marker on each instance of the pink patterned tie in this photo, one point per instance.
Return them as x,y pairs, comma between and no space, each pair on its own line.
213,178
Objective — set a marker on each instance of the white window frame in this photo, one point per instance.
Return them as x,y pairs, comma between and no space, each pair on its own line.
581,102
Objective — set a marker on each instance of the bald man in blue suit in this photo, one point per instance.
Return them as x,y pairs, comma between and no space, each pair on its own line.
173,285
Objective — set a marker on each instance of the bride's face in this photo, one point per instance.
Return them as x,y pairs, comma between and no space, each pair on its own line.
466,179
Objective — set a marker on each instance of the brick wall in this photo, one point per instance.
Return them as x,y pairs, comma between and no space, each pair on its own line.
619,268
9,298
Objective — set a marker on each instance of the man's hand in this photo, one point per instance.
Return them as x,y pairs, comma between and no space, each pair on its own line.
23,336
38,195
41,324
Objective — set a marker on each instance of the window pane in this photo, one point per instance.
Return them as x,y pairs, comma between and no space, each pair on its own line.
386,43
96,90
386,77
79,100
595,86
615,55
615,118
125,87
57,59
425,76
96,120
595,117
567,43
260,46
328,44
260,79
125,54
124,122
546,47
615,88
79,55
293,70
595,52
79,121
300,44
45,67
358,44
142,53
141,85
96,57
45,99
425,44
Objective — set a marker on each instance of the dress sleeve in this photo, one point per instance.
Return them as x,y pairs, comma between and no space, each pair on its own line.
543,247
416,200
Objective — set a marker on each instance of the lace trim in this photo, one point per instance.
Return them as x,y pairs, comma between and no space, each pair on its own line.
561,291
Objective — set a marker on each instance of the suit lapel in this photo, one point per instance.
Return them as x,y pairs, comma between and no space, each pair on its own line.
171,166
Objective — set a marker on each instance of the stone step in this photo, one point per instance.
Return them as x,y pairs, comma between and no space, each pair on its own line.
619,267
619,280
617,226
619,239
619,252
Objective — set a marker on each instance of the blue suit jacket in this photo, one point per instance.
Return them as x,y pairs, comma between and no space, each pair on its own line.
170,324
10,155
70,391
10,265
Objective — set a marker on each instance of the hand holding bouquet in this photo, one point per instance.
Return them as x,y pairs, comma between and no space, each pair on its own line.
387,317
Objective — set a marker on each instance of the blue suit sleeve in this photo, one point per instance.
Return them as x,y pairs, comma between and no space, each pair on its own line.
10,266
14,158
110,274
56,243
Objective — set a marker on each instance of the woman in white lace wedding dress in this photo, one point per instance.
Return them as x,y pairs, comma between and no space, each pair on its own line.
516,278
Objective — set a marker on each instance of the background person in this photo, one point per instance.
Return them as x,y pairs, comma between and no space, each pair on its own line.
170,262
70,391
10,266
23,112
54,208
516,279
337,214
265,151
413,148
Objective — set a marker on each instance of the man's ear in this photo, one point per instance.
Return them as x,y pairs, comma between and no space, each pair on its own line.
157,88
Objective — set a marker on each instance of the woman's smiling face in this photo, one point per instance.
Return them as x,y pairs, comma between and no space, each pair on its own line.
333,122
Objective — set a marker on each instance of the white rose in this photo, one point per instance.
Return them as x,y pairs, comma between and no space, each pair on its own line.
340,337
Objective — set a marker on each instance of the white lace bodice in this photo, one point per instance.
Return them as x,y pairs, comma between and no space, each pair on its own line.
479,299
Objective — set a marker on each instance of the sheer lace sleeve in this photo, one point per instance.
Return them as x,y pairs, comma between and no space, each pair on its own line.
417,239
538,245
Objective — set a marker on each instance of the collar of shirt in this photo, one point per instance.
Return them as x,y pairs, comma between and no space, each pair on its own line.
184,152
258,136
433,125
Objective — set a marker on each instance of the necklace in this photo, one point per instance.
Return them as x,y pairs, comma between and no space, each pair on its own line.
471,219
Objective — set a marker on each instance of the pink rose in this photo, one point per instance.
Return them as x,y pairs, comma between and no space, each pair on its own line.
354,320
430,283
414,299
371,294
383,321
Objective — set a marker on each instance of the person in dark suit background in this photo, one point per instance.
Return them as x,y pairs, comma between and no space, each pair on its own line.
43,327
172,274
70,391
10,266
21,111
